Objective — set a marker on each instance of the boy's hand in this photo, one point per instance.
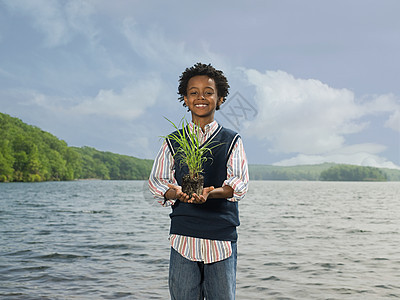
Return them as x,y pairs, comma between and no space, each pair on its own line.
175,192
196,199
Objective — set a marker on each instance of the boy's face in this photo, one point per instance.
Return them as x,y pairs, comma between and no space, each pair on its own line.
202,98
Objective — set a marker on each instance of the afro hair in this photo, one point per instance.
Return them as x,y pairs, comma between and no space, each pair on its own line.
202,69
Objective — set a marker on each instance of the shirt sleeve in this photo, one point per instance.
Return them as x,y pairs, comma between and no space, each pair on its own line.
237,172
162,174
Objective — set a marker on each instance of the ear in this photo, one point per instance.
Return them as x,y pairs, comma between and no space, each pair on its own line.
220,100
186,100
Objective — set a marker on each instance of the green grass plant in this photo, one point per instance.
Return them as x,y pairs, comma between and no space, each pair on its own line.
190,150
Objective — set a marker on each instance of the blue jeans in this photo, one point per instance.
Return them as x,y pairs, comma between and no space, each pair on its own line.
191,280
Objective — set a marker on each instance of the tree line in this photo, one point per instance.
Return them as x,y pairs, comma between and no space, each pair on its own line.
323,172
29,154
353,173
268,172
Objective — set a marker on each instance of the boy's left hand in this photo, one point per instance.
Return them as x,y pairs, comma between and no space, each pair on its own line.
196,199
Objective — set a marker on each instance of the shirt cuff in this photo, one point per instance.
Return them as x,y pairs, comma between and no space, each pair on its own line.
238,186
166,202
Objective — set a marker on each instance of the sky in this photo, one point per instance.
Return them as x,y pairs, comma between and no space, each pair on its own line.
311,81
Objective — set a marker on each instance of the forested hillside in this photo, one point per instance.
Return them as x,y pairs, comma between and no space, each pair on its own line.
28,153
107,165
304,172
326,171
353,173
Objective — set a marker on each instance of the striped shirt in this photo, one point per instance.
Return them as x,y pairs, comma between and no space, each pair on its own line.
162,174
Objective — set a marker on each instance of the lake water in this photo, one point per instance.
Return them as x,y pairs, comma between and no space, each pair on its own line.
108,240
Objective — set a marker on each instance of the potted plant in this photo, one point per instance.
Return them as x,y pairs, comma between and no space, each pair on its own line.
191,153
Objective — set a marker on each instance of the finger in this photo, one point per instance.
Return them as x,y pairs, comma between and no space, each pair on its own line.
196,197
180,194
208,190
193,199
198,200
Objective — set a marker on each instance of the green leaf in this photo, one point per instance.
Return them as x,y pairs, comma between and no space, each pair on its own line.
189,150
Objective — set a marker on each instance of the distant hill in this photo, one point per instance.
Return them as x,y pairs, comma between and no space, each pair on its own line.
304,172
30,154
107,165
326,171
353,173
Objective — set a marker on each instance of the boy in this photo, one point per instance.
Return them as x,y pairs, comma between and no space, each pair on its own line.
203,227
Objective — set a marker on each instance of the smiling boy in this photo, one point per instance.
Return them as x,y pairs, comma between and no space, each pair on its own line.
203,232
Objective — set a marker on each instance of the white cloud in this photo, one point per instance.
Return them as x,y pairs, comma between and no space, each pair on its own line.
78,15
359,154
47,17
299,115
359,158
156,47
358,148
128,104
152,45
391,105
394,121
380,103
58,21
387,104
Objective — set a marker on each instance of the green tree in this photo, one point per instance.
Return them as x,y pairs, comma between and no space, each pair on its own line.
6,161
352,173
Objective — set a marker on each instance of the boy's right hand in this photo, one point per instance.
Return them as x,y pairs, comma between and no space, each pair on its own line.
175,192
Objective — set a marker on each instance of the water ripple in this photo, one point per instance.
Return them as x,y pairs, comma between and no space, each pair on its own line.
108,240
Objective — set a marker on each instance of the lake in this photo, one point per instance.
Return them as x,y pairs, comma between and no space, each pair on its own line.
109,240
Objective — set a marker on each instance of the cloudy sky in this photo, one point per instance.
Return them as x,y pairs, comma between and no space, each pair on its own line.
311,81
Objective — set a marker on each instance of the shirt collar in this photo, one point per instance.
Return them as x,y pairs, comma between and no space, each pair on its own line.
209,129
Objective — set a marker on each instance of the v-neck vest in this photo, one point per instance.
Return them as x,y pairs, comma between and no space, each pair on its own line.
216,219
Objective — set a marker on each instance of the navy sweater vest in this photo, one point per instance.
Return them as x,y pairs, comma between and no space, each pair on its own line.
216,219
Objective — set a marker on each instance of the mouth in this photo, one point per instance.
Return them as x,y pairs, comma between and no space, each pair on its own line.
201,105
